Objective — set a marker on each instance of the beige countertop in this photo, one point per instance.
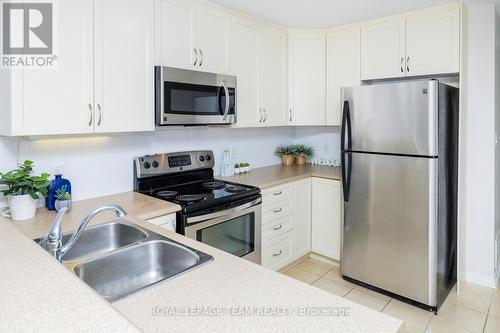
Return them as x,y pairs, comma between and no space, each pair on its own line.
38,293
271,176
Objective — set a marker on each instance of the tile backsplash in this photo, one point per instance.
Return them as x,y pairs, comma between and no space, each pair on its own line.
102,165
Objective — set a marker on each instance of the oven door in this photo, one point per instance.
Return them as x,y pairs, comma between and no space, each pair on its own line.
187,97
236,230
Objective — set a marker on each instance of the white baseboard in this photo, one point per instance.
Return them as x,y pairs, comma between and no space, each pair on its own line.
490,282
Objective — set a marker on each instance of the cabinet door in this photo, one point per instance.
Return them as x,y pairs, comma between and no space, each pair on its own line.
383,50
307,68
326,217
273,84
432,43
302,218
245,64
343,55
213,40
124,39
59,100
176,34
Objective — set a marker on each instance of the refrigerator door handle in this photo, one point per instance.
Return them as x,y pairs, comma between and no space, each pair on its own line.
346,126
346,170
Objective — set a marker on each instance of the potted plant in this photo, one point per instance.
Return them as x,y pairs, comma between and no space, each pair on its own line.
237,170
63,199
302,153
287,156
24,190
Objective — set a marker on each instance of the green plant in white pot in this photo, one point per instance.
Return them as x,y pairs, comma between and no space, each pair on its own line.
23,190
63,199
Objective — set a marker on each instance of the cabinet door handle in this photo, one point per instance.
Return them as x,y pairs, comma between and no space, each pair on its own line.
196,57
278,227
265,114
278,193
260,115
277,254
201,53
290,115
100,115
402,68
408,64
91,115
277,210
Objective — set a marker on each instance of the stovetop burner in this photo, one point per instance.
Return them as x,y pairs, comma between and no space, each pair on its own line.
189,198
235,188
166,194
214,185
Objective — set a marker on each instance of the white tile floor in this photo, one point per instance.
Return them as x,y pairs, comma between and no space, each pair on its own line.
475,310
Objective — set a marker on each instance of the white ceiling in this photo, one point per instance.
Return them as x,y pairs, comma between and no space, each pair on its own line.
329,13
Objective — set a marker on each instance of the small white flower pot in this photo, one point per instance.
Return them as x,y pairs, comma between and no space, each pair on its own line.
237,171
61,204
22,207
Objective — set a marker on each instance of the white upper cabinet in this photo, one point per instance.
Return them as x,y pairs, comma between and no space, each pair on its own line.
124,39
343,70
245,64
192,36
176,33
383,50
432,43
273,86
58,100
307,71
420,43
213,40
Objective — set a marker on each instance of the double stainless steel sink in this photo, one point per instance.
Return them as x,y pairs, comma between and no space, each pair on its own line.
118,258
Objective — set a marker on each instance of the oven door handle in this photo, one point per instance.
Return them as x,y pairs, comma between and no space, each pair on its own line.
226,108
196,219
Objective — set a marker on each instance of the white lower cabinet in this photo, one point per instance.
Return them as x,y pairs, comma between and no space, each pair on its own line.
286,223
279,253
326,217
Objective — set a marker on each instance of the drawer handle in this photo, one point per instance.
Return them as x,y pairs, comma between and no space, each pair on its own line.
277,254
278,193
277,210
278,227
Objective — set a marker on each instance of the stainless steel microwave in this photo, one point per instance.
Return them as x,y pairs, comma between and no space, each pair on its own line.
186,97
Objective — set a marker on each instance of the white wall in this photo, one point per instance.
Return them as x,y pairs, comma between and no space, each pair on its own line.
497,146
324,140
101,165
480,197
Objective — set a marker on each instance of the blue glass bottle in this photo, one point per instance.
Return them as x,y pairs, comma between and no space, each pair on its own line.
55,185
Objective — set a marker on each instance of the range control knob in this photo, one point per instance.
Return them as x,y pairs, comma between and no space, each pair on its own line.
208,158
202,158
155,164
147,165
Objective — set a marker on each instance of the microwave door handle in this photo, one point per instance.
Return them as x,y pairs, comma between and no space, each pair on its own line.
226,108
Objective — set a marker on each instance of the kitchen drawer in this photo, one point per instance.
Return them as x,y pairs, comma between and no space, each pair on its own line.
277,210
279,254
275,229
277,193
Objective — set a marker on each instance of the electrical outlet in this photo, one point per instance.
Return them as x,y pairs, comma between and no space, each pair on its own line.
58,169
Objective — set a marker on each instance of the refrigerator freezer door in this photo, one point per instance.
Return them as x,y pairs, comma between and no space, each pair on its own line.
396,118
390,219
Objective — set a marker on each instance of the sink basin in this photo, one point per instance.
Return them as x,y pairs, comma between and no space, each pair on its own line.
103,238
122,272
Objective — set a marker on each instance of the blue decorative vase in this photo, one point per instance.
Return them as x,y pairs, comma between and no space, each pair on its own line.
56,184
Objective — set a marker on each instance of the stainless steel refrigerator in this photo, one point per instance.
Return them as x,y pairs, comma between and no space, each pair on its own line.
399,144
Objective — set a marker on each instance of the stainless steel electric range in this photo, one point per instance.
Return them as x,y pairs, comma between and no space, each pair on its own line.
221,214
